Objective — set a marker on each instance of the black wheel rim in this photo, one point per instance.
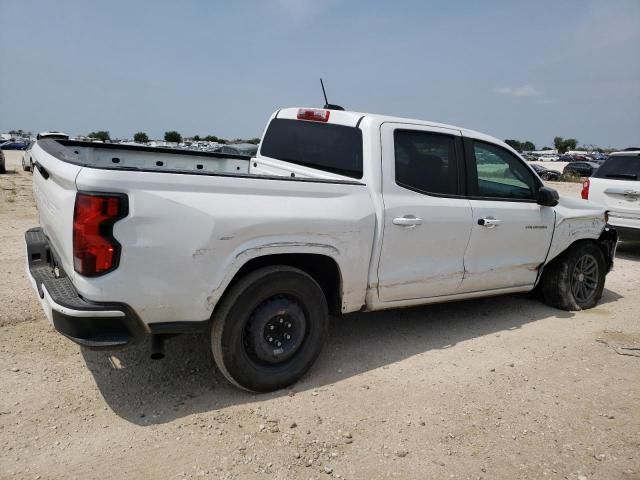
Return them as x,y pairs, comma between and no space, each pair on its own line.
584,280
275,330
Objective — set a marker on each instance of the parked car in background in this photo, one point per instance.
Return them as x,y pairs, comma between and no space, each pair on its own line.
548,158
228,150
565,157
581,158
545,173
13,145
616,185
584,169
3,168
600,157
27,159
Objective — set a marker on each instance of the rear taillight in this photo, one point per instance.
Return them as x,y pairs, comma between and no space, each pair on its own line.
95,251
584,193
313,114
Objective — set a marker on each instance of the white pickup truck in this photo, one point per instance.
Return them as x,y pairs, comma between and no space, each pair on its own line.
616,185
338,212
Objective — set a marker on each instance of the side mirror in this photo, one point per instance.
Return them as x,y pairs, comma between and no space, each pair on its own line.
547,197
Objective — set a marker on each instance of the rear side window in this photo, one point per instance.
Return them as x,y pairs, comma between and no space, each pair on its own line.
324,146
426,162
621,167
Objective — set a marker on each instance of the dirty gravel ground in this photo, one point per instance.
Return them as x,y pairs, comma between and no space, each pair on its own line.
501,388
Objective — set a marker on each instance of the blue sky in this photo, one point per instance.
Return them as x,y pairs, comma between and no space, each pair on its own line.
514,69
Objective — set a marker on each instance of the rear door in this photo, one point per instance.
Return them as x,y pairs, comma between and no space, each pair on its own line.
511,233
427,221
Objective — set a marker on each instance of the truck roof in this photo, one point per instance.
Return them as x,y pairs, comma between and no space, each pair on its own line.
353,119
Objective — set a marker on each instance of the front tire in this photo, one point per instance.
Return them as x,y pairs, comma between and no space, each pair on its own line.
575,280
269,328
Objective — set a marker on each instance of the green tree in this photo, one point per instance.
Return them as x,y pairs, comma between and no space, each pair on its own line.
172,136
570,144
196,138
211,138
140,137
255,141
564,144
528,146
558,143
515,144
100,135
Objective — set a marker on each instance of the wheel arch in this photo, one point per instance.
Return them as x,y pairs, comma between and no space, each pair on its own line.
324,269
606,242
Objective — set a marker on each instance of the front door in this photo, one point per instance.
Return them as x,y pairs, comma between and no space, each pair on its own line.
511,233
427,222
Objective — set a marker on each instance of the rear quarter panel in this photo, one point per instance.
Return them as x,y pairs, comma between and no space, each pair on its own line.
187,235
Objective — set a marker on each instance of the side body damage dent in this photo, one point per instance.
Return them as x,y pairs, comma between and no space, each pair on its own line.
264,250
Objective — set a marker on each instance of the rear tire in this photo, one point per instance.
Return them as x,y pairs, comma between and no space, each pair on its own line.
269,328
575,280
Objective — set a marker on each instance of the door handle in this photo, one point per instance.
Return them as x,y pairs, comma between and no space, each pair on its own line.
488,222
408,221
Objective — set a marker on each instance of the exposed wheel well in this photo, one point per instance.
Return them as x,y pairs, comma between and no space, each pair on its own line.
605,243
322,268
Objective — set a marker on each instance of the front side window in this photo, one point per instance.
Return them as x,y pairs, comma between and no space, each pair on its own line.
497,173
426,162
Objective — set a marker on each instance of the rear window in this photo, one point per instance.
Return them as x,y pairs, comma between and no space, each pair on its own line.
324,146
622,167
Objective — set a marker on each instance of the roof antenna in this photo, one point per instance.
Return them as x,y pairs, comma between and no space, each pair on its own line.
327,105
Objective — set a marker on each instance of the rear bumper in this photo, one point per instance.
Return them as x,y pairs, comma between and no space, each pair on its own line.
90,324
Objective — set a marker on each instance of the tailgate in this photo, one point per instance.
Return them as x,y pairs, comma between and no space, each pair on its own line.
54,189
